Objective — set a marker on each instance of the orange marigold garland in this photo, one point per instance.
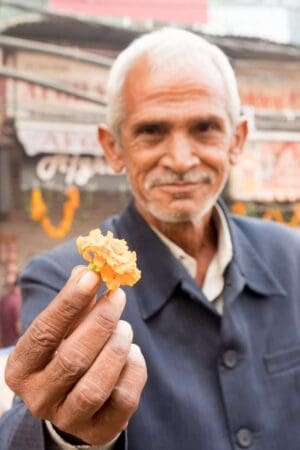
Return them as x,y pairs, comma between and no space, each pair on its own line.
38,207
38,210
273,214
295,219
239,208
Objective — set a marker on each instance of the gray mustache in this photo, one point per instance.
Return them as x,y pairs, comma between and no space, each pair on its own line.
179,178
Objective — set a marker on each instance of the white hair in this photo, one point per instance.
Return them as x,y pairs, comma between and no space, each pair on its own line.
175,49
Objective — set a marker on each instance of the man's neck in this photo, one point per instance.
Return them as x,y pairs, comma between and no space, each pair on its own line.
197,238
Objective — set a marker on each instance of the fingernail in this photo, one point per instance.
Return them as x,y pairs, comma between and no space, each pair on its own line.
124,329
123,334
77,269
135,351
118,297
136,348
88,282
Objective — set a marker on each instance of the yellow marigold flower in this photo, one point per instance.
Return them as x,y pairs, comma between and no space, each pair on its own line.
110,257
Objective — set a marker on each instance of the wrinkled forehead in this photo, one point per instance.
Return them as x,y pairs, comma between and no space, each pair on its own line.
180,73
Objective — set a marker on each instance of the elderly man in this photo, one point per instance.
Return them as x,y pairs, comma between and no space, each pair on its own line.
214,321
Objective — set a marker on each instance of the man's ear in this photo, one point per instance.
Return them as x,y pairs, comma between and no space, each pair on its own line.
112,150
240,136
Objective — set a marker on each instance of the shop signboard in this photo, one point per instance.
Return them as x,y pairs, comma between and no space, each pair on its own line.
57,171
39,137
57,155
182,11
33,101
269,86
268,170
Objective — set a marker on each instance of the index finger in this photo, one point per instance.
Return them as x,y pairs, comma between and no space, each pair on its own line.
36,347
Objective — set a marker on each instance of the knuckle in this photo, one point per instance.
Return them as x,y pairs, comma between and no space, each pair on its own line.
119,351
73,363
37,405
11,378
106,321
91,394
11,374
70,305
42,333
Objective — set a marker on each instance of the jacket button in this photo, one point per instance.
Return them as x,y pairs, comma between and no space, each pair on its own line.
244,438
230,359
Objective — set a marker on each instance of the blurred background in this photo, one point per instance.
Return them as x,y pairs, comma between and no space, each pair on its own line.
54,60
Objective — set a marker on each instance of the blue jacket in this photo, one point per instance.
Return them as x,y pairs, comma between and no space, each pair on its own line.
215,383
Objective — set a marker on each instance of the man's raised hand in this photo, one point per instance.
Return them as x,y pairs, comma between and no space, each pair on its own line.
86,380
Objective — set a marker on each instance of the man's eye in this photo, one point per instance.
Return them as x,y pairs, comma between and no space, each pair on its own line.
204,127
150,130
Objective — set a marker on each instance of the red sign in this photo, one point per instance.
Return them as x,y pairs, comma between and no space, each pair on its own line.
182,11
285,97
269,85
268,171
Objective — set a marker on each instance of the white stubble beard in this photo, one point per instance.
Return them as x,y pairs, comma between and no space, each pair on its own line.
176,217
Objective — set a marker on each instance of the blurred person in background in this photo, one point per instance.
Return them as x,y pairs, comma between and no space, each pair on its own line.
10,310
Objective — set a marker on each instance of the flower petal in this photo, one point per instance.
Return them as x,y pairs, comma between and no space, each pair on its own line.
110,257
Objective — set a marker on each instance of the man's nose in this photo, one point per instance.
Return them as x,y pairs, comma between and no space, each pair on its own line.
180,155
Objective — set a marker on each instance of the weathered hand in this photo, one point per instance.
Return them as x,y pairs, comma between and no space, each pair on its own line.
86,381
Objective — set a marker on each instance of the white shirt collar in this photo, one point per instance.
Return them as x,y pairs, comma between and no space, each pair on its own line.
214,280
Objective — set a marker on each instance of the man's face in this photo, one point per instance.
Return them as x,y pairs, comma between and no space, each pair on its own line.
176,140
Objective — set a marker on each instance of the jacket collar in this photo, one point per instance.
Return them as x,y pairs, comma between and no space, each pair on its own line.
162,273
248,262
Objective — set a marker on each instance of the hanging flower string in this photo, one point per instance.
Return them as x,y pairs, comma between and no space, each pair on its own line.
271,213
38,211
